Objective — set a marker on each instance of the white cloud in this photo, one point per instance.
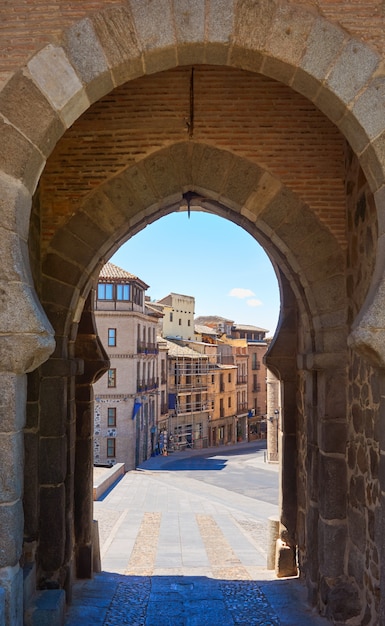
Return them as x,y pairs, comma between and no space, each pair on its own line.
238,292
254,302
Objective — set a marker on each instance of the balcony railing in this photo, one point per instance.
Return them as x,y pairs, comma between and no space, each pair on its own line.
147,385
241,380
257,387
147,348
226,360
163,409
180,387
241,407
256,365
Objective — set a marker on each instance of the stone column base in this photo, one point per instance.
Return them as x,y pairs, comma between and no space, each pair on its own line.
285,562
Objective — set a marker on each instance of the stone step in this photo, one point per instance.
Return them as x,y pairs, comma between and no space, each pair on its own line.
105,477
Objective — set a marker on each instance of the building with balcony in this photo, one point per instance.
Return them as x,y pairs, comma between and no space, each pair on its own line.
239,354
222,419
256,377
189,402
242,346
127,398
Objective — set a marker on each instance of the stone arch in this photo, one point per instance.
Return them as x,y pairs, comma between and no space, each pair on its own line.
339,74
249,196
318,59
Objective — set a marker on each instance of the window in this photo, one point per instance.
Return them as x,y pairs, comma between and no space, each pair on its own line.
137,295
255,364
229,379
105,291
111,417
111,447
170,317
188,323
229,402
112,336
111,378
122,292
180,322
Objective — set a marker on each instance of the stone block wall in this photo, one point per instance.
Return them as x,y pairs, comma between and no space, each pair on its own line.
363,557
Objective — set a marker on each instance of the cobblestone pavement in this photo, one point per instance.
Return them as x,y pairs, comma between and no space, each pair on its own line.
180,552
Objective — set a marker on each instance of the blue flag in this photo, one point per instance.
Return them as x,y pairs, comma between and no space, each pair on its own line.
136,408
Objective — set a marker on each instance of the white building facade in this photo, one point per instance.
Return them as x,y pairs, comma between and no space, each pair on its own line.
127,406
178,320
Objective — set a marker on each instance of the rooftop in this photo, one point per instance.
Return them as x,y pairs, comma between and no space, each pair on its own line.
250,328
110,271
175,350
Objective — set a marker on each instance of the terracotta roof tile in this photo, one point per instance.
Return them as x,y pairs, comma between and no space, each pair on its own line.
109,270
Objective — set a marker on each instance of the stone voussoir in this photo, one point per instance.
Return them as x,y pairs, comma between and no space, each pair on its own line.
55,76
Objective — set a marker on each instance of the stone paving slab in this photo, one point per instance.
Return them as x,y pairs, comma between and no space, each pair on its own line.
180,552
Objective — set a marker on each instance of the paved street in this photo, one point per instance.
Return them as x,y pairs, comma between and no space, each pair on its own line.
183,543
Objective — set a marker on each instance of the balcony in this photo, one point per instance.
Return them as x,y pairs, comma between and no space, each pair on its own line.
146,348
163,409
256,366
242,407
147,385
241,380
183,387
226,360
257,387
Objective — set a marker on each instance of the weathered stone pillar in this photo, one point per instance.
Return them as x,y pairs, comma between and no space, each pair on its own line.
381,474
89,349
325,474
55,544
281,360
333,484
26,340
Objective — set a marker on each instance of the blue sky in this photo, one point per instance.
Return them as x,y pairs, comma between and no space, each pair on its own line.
209,258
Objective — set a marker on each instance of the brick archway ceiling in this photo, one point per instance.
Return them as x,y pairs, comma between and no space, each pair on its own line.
249,115
258,148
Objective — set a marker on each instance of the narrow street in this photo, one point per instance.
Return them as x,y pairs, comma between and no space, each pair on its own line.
184,543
